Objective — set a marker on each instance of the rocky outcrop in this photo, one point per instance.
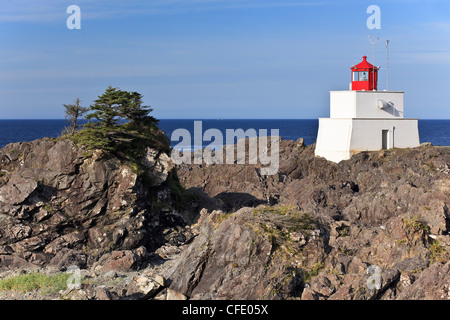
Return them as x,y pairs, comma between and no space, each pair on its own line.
369,188
259,253
432,284
373,227
383,217
61,204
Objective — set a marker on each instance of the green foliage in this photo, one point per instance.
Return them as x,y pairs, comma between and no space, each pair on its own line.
121,125
416,226
49,208
416,232
314,271
73,113
438,253
115,105
35,281
93,139
289,217
343,231
106,109
277,225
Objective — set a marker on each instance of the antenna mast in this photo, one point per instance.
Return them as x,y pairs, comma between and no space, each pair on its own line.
387,48
373,71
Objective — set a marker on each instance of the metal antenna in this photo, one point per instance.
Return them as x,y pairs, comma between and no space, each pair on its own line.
373,71
387,48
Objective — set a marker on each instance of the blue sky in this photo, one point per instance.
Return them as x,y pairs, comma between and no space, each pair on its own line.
219,58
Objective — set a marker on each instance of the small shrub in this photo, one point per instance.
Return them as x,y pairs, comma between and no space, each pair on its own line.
314,271
416,231
438,253
415,225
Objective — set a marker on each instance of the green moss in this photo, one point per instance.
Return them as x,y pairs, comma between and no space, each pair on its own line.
311,273
277,224
221,218
49,208
291,219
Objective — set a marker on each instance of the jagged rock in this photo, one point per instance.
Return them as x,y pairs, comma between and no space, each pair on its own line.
376,209
102,293
229,259
143,288
174,295
121,261
432,284
17,190
384,210
66,257
159,164
309,294
58,201
322,285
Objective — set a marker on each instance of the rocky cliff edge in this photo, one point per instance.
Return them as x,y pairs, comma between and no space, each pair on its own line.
373,227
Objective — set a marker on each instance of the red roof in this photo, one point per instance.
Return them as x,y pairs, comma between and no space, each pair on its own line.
364,65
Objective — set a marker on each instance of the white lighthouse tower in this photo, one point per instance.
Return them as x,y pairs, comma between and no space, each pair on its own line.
364,119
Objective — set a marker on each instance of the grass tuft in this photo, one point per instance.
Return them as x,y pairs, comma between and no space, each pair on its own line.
35,281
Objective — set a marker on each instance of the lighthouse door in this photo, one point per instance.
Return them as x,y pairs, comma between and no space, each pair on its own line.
384,139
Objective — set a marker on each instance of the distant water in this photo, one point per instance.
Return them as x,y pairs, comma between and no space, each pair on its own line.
435,131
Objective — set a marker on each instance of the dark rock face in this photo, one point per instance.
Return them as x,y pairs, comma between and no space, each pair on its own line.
233,257
383,221
60,204
432,284
373,227
369,188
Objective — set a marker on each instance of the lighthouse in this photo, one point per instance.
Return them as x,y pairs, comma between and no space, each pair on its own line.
364,119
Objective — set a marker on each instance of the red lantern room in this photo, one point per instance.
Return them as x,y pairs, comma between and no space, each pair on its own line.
364,76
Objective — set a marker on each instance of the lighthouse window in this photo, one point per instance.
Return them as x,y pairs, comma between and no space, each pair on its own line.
363,76
360,76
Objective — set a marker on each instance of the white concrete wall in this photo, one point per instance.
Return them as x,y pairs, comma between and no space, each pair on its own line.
364,104
339,139
367,104
367,134
333,139
342,104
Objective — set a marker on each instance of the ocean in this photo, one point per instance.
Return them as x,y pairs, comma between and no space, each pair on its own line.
435,131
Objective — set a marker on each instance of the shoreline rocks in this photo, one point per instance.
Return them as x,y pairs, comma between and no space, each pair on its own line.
62,205
373,227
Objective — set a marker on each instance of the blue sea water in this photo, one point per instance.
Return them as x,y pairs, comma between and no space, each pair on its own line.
435,131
